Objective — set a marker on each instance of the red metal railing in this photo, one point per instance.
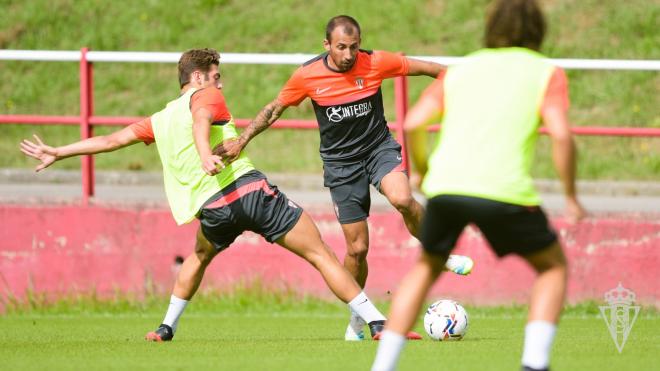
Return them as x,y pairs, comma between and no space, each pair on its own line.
86,120
86,130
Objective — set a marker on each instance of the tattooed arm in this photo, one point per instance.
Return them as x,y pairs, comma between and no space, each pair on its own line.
230,149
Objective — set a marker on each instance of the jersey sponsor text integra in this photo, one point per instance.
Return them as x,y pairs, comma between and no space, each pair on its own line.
348,131
338,113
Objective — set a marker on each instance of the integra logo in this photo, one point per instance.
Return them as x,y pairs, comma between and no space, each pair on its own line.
337,114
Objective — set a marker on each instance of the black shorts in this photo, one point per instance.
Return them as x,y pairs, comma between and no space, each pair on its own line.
248,204
349,180
508,228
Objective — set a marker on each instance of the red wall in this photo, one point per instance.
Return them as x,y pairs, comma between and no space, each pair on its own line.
64,249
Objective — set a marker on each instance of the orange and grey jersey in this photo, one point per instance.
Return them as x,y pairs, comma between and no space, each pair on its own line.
348,105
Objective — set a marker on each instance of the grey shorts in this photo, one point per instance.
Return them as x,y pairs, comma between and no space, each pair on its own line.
251,203
349,180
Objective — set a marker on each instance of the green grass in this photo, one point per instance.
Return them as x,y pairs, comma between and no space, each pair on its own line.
258,331
577,29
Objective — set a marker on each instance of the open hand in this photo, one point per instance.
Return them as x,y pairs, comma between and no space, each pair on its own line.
40,151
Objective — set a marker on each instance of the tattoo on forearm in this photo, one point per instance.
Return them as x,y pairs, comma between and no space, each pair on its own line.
264,119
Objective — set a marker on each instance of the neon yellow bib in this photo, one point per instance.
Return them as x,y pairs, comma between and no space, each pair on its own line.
186,185
489,129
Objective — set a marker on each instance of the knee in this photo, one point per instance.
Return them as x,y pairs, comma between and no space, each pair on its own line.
357,250
205,252
321,255
404,203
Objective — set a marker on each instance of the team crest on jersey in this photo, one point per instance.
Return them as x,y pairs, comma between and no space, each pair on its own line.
359,82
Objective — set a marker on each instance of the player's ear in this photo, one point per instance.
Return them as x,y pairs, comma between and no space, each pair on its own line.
326,44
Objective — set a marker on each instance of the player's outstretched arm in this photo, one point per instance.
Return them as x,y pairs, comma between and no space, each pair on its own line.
230,149
48,155
563,157
418,67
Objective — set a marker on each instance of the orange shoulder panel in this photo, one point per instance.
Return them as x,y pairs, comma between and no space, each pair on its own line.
390,64
143,130
556,94
294,91
213,100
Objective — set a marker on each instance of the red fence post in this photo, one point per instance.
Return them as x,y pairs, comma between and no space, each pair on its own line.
87,162
401,104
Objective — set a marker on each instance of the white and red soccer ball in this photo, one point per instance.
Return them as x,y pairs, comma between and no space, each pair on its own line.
446,320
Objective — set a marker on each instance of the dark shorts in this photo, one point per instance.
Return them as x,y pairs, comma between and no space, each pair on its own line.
349,180
248,204
508,228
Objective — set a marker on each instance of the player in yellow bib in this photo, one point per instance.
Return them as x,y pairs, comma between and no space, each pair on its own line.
479,172
226,199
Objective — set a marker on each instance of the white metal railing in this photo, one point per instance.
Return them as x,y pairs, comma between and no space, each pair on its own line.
86,118
293,58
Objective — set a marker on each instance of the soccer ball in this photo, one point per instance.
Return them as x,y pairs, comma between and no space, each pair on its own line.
446,320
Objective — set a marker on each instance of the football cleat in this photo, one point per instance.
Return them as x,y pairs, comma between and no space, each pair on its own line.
351,334
162,333
376,328
459,264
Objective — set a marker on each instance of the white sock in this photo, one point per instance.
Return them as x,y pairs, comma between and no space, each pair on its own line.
389,348
538,341
365,308
174,311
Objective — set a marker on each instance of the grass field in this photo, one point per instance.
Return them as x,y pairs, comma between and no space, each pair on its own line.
577,29
273,333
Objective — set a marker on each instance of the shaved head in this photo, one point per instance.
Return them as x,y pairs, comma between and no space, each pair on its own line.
348,24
